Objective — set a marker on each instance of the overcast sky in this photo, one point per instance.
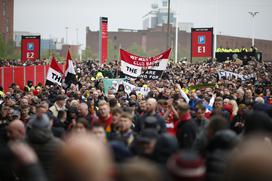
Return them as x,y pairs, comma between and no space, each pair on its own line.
50,17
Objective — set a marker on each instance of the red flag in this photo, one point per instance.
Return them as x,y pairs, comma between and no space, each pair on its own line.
54,73
68,57
70,74
54,65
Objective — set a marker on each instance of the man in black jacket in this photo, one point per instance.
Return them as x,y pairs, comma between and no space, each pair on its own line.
158,121
41,139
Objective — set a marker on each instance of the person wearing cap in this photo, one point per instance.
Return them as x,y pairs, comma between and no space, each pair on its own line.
218,152
16,114
145,142
186,166
133,96
58,105
166,146
42,140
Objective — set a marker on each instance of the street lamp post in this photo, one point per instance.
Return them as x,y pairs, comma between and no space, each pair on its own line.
168,25
253,14
49,47
215,27
177,31
66,28
77,36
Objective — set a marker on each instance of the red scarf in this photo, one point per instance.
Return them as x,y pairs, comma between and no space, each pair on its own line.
183,118
106,122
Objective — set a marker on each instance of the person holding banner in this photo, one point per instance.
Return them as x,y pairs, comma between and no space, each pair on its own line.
140,113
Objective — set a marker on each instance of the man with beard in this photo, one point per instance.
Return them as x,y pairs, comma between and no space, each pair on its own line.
105,116
150,112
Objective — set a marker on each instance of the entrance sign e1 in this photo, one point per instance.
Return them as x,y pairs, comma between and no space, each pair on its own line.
202,42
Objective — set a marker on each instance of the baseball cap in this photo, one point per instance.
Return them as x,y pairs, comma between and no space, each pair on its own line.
39,122
147,135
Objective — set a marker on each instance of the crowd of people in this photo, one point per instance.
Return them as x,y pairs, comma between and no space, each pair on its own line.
192,125
14,62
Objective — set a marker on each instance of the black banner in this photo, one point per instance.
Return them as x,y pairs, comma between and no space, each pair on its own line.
147,75
244,56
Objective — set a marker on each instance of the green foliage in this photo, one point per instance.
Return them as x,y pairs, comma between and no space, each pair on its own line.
184,53
48,55
8,50
58,57
113,51
137,50
88,54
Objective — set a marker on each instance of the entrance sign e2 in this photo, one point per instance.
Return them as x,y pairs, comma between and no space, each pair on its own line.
30,48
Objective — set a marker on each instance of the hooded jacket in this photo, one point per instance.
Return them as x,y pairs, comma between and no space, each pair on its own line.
218,153
45,146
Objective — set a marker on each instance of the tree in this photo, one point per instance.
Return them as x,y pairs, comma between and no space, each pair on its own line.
88,54
113,51
48,55
8,50
137,50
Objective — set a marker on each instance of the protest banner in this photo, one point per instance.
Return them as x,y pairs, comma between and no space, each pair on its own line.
111,83
148,68
232,75
114,84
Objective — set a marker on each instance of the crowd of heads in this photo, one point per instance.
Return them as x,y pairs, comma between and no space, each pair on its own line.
191,125
18,62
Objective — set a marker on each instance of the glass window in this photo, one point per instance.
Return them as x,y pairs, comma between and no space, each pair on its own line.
4,8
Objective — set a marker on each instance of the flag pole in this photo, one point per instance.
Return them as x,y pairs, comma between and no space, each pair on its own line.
176,41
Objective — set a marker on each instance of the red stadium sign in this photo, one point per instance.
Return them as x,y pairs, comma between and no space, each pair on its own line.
103,40
30,48
202,42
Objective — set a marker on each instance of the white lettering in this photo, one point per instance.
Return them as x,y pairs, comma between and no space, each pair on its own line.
30,55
